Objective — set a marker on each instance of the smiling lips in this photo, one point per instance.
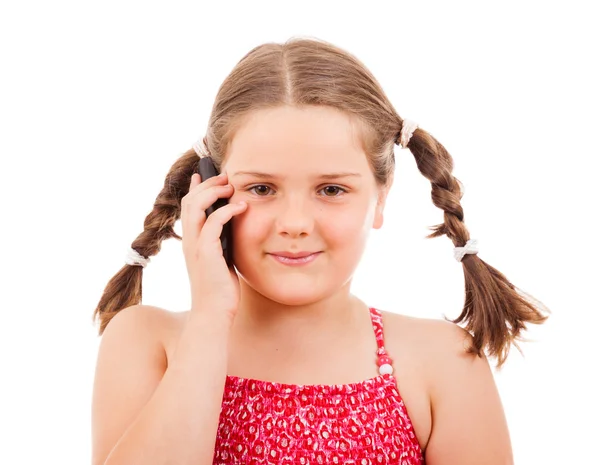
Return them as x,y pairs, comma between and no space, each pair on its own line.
293,254
297,258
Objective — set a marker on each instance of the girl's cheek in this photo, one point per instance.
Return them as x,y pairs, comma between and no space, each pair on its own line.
240,194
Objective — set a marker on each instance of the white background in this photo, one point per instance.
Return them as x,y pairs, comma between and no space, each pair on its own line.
98,99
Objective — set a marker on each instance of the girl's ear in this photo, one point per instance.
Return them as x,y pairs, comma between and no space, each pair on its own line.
381,199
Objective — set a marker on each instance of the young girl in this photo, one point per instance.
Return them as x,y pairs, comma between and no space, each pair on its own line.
276,361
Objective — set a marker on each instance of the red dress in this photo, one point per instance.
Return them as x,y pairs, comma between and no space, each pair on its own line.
265,422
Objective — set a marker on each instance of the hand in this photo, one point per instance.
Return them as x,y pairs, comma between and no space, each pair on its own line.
214,286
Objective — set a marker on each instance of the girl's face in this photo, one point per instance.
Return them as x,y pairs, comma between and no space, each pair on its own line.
309,188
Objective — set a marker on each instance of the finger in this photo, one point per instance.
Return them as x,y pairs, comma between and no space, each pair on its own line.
197,185
201,185
205,186
213,227
193,212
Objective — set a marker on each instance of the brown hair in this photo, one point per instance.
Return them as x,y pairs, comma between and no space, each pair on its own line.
304,72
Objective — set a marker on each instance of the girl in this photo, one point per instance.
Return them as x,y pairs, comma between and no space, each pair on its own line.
276,361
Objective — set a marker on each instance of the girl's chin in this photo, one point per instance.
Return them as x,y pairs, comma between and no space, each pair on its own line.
294,300
289,290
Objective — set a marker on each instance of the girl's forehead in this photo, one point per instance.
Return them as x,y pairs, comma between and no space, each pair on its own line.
288,142
300,158
297,132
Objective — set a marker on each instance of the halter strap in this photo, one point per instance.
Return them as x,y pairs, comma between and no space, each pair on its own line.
378,328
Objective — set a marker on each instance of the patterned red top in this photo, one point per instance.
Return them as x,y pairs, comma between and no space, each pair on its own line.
265,422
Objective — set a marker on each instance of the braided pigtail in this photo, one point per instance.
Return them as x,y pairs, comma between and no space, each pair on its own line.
125,287
495,311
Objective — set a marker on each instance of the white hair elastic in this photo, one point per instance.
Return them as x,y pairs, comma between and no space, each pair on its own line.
408,127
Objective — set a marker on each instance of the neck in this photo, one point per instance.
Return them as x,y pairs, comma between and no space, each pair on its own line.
262,321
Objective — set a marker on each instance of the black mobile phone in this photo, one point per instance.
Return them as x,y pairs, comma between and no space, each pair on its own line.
207,169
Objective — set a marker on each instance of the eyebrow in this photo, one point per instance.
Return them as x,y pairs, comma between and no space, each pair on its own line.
259,174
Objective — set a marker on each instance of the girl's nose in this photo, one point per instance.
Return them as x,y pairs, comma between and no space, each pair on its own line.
294,218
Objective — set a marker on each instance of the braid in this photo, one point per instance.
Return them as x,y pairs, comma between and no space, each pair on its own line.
125,287
495,311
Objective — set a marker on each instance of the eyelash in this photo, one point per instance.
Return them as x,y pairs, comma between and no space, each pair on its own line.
345,191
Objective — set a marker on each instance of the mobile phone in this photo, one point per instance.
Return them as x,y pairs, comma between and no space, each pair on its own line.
207,169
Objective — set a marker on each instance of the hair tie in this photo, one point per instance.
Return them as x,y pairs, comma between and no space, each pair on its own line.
135,259
198,148
408,127
470,247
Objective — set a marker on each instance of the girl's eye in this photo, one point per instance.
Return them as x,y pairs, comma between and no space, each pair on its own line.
261,189
336,189
266,188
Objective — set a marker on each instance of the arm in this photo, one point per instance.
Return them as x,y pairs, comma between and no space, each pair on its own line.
146,413
469,426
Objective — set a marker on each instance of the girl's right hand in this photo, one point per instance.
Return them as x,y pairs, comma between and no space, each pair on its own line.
214,286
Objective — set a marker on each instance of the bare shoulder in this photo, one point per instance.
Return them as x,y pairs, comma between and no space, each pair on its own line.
431,342
156,325
165,325
443,347
468,422
168,325
157,322
425,330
